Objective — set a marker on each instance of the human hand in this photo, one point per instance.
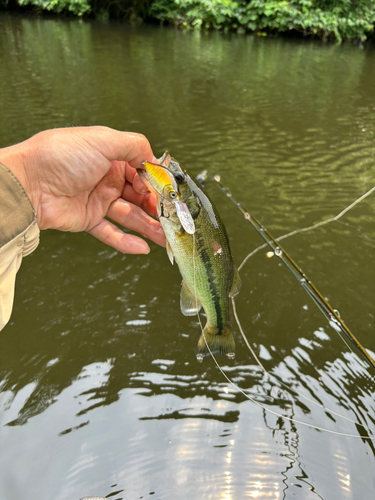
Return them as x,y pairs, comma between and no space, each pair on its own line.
75,177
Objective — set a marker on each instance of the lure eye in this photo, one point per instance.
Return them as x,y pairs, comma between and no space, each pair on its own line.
179,178
173,195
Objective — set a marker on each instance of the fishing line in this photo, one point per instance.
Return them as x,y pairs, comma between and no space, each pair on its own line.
257,402
334,325
304,229
292,233
290,389
331,314
293,420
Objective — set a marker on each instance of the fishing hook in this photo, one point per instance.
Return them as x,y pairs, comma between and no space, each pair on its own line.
162,211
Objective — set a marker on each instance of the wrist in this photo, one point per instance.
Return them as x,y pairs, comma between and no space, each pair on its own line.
20,159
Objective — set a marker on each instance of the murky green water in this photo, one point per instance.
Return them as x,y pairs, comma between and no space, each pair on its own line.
101,392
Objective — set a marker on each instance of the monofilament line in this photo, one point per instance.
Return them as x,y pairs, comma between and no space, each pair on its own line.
308,228
287,235
289,389
204,175
296,421
331,314
290,419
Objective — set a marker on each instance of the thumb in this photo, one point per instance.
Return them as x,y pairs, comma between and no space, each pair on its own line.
116,145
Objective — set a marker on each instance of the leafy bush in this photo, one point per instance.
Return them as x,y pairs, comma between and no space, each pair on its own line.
197,13
77,7
328,19
336,19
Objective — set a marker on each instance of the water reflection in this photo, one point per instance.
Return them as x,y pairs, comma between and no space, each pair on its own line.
99,382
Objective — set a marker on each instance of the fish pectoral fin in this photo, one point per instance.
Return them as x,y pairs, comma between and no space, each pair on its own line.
190,305
236,284
170,253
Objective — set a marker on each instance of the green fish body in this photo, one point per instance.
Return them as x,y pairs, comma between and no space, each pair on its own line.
203,258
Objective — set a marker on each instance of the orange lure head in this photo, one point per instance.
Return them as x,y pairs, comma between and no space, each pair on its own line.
161,181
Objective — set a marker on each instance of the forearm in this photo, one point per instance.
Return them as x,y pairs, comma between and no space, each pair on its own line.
19,236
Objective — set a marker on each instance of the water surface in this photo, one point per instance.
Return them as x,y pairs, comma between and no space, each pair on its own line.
101,393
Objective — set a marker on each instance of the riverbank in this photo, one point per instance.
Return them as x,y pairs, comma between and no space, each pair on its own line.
329,20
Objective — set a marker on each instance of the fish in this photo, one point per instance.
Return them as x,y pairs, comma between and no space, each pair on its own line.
198,241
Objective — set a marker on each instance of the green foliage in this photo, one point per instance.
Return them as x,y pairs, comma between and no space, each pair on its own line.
328,19
196,13
335,19
77,7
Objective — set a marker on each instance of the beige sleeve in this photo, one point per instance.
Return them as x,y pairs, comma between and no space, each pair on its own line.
19,236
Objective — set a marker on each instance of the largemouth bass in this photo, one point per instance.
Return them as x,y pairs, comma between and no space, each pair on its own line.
198,241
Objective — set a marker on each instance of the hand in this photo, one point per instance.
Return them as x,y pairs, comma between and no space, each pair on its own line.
75,177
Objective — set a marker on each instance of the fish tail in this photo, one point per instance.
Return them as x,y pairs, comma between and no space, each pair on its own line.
214,341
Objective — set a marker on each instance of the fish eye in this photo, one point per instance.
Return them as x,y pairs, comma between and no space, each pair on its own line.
179,177
173,194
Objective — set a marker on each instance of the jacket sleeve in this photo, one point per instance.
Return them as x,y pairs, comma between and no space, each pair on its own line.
19,236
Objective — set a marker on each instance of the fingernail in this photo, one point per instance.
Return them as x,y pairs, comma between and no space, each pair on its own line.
143,190
143,248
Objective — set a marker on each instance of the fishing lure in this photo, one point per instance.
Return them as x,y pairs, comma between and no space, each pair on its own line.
186,219
170,193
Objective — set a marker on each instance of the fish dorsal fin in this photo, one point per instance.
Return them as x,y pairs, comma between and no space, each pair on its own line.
190,305
170,253
236,284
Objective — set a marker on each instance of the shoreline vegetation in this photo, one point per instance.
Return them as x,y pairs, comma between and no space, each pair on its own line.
329,20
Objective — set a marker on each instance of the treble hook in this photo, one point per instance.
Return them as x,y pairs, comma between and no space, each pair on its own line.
162,211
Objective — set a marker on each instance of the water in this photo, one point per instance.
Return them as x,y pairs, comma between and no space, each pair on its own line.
101,393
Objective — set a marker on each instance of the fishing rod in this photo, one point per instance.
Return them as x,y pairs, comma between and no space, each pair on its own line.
331,314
